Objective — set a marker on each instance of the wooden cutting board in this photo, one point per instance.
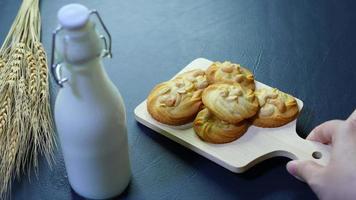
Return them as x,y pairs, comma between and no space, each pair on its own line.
256,145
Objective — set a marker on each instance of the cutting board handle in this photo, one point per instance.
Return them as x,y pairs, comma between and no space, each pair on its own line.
301,149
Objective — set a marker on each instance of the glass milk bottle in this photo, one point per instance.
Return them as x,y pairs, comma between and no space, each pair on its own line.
89,111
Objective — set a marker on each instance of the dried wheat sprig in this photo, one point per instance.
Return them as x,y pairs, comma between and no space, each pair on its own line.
4,121
8,162
33,75
33,102
2,68
15,64
24,92
17,128
24,115
4,113
43,72
10,141
2,63
45,116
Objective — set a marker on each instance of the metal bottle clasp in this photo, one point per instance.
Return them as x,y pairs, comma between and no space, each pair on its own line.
56,67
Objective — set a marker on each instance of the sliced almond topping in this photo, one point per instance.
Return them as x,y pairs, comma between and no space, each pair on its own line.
177,100
236,91
181,91
180,83
267,110
164,91
224,93
239,78
265,95
261,101
191,79
250,77
279,104
202,84
231,98
198,73
189,87
227,68
170,101
163,98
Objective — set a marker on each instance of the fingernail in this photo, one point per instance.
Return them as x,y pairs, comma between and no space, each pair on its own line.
292,168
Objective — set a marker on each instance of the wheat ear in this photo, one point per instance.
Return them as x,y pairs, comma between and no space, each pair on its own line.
11,139
4,121
45,116
26,126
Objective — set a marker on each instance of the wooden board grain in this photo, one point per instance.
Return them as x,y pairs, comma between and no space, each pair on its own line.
256,145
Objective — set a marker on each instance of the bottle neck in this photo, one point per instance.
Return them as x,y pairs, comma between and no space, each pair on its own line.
80,45
87,70
80,49
87,78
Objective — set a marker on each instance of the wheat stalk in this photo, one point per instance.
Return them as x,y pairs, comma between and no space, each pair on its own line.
4,113
4,119
33,75
8,162
26,125
2,64
10,140
33,82
45,119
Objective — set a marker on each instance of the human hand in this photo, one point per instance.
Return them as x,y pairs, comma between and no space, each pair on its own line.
337,180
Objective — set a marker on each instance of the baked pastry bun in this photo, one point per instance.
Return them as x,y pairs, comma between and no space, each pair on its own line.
214,130
277,108
231,103
228,72
176,102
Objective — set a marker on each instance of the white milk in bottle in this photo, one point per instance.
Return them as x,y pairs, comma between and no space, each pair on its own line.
89,111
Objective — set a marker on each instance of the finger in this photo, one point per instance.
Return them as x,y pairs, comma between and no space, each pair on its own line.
352,120
324,132
304,170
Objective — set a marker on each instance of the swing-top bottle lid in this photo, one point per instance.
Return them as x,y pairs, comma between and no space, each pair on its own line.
73,16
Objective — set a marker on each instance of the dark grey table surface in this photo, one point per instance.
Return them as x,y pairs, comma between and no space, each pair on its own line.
306,48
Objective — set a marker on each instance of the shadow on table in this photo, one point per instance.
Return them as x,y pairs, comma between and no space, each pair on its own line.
267,179
76,196
262,180
186,156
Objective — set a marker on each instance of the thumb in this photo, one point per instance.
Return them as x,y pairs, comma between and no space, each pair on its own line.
304,170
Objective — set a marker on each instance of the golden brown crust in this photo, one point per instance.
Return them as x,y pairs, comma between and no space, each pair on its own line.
231,73
211,129
231,103
277,108
177,102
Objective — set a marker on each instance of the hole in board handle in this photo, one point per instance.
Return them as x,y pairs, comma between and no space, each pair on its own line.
316,154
